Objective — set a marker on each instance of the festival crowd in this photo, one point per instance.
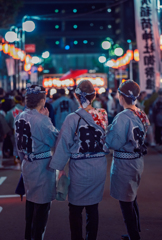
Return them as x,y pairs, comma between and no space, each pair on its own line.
46,133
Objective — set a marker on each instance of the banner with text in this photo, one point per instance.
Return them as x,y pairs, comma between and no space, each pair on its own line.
148,43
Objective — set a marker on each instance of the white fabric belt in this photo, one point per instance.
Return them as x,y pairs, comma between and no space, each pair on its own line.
32,157
126,155
79,156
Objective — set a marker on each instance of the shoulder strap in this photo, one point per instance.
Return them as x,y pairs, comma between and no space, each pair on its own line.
82,118
76,131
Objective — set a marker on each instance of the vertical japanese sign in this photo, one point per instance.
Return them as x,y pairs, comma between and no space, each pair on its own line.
148,43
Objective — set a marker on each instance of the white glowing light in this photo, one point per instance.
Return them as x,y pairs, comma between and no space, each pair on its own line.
102,59
109,63
106,45
21,55
53,91
66,91
101,90
45,54
28,26
118,51
35,60
11,36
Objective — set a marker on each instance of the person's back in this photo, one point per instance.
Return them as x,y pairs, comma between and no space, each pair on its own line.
35,137
81,141
126,136
62,107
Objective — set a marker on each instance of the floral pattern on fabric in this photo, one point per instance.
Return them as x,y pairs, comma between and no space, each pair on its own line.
144,119
99,115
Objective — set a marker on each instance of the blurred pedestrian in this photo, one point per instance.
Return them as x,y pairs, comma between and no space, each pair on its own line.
9,142
126,137
104,99
18,108
81,141
148,104
112,107
5,101
75,102
157,118
141,99
97,102
4,129
35,136
62,107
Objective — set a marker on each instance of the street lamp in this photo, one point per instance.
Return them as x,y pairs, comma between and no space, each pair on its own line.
27,26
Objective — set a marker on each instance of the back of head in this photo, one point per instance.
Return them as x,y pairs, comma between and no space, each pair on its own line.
86,86
113,93
18,99
85,90
130,90
55,96
62,91
34,94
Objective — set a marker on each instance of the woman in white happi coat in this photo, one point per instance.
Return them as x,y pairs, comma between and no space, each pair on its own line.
35,136
81,141
126,137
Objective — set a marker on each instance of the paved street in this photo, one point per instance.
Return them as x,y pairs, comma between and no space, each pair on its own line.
111,226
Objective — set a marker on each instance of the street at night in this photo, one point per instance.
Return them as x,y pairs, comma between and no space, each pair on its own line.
111,226
81,120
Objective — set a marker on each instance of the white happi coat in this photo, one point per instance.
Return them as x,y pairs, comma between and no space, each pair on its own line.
36,134
125,134
87,175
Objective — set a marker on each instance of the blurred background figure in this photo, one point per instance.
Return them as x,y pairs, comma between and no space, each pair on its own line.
97,102
11,114
75,102
157,118
148,102
19,102
112,106
62,107
141,99
4,129
23,91
6,101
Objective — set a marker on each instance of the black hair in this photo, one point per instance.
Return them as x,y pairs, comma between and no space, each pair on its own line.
18,99
62,91
32,100
113,93
55,96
